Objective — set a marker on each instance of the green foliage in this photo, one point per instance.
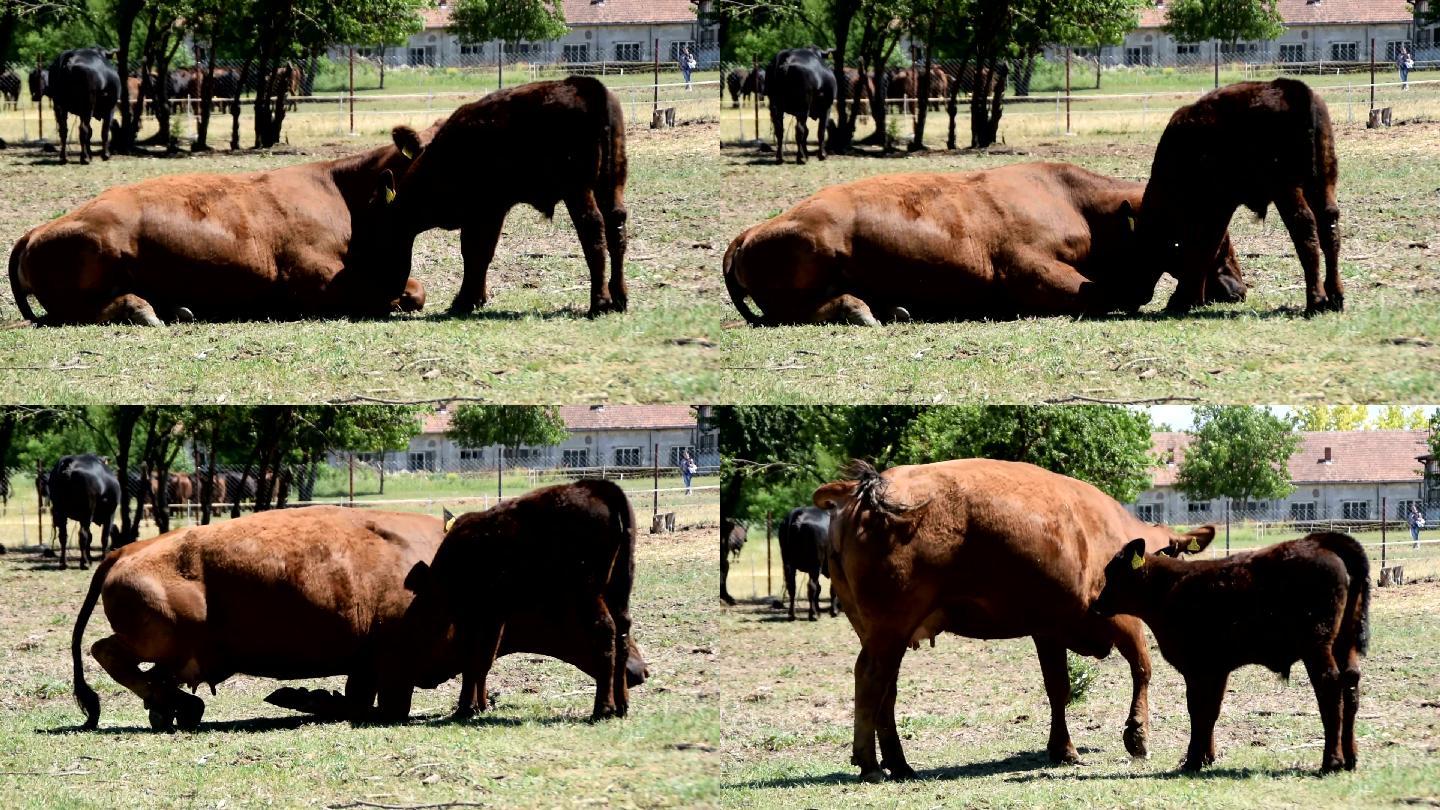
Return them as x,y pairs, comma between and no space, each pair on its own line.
1223,20
1096,22
1237,452
508,425
1082,674
1106,446
507,20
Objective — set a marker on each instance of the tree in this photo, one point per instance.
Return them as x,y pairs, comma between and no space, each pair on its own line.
507,21
1399,417
1223,21
1331,417
1106,446
1098,23
506,425
1237,452
377,429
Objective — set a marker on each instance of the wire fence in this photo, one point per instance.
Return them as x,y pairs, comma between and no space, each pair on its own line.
320,103
26,517
1114,100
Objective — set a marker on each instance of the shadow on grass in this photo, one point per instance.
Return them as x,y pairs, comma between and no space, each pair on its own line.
252,725
565,313
1019,762
1209,773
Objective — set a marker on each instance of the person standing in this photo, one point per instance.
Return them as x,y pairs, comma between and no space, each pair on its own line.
1417,522
687,65
687,469
1404,61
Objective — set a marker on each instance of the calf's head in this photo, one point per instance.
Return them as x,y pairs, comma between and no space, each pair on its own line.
1127,572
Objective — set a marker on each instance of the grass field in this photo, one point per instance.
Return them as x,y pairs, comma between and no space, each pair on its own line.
1381,349
973,718
531,344
534,750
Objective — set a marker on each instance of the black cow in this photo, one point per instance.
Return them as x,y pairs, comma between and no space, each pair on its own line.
83,82
805,546
733,81
732,539
754,84
9,90
799,84
84,490
1302,600
39,82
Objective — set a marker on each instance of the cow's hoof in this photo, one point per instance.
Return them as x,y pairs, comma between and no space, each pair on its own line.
901,772
1349,762
602,714
189,712
1337,303
899,315
184,315
463,712
1064,756
1135,742
872,776
161,720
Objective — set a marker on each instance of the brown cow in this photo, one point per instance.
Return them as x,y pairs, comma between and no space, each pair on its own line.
1249,144
1303,600
984,549
216,247
577,540
1029,238
905,83
294,593
539,144
858,87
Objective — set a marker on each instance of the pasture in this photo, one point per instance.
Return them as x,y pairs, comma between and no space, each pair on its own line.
973,718
530,344
1381,349
534,749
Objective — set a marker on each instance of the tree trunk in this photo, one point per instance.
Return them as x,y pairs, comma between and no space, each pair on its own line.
917,142
207,97
382,66
7,435
125,420
207,487
235,103
952,105
845,128
125,14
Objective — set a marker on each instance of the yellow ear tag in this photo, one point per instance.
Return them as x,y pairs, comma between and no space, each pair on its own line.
389,196
449,523
411,156
1194,545
1137,561
1131,222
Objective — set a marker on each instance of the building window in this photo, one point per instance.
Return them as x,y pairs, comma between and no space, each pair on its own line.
1187,49
1402,508
472,454
1149,512
574,458
1345,51
1198,507
423,461
472,49
1292,53
1355,510
627,457
627,52
422,57
575,53
677,450
677,45
1302,511
1139,56
1392,49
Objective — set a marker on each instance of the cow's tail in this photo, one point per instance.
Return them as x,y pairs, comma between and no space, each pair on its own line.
1357,606
622,572
84,695
733,285
21,292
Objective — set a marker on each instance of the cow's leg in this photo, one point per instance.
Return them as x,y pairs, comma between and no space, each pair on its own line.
482,645
725,575
590,227
1350,686
361,687
58,521
814,594
129,309
477,245
1325,678
823,118
1204,692
1130,640
604,633
790,589
1056,673
892,756
620,686
871,691
1327,213
802,137
84,536
1304,234
62,129
834,600
845,309
105,137
777,120
84,133
167,704
616,215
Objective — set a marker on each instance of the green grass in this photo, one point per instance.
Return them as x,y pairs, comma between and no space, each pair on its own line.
1380,350
534,750
531,344
973,719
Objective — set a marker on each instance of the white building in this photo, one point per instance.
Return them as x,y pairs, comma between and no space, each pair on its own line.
1342,475
600,31
1315,31
601,436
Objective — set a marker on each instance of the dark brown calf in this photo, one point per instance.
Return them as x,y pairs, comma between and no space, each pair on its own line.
1249,144
1304,600
539,144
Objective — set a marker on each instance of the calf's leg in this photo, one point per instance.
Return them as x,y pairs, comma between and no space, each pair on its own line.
1056,672
590,226
616,216
606,646
58,521
477,245
480,645
814,594
777,120
725,575
1130,640
1325,678
1304,234
802,138
1203,693
62,128
167,704
84,536
790,589
1350,686
1327,213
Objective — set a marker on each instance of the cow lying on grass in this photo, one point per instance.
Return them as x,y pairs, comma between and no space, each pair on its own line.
539,144
1249,144
1304,600
984,549
577,541
1025,239
292,593
272,244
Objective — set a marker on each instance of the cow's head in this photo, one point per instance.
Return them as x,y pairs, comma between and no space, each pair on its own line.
1191,542
1125,577
1215,278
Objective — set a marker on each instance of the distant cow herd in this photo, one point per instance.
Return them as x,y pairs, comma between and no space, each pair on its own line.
1039,239
996,549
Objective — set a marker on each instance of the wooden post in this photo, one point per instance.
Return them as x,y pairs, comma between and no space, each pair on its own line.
1216,54
657,75
1067,91
754,73
352,479
499,473
655,461
1383,513
352,89
40,117
1227,527
768,589
1372,73
39,509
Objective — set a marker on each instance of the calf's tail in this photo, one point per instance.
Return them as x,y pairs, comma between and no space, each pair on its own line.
1357,607
21,292
736,289
84,695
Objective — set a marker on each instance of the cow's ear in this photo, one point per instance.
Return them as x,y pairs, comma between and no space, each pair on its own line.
407,141
385,187
418,580
1127,211
1191,542
831,495
1134,554
449,519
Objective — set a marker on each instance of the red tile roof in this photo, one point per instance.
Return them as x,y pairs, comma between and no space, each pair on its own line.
1315,12
606,417
593,12
1356,456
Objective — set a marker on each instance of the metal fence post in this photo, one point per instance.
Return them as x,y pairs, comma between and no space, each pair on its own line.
1372,73
657,77
499,473
1227,528
352,89
755,78
39,508
1383,515
768,588
352,479
1068,130
655,461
